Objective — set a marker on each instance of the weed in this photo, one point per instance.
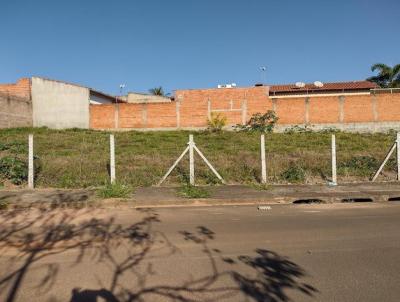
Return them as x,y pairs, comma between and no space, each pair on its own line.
14,169
189,191
261,187
114,190
294,174
216,122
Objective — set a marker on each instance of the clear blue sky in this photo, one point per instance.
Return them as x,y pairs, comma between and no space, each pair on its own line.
195,43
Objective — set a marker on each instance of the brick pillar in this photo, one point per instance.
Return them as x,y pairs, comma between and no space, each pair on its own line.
144,115
342,98
178,114
307,110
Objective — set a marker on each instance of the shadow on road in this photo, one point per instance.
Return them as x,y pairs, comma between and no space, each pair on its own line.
127,251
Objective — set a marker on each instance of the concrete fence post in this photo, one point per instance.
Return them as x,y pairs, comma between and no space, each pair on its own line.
191,159
263,163
334,176
112,158
30,162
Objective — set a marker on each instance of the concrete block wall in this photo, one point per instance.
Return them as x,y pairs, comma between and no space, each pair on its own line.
16,104
59,105
15,111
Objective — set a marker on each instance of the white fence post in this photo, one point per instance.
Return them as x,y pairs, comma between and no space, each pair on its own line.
191,159
334,176
398,155
112,158
30,162
263,164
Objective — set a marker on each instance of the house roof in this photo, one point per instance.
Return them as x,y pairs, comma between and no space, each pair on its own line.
327,87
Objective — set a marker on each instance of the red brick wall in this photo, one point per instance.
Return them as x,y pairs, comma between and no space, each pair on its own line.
102,116
358,109
20,89
388,107
324,110
291,111
130,116
192,108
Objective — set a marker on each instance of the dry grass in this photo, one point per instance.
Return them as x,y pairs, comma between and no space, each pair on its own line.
79,158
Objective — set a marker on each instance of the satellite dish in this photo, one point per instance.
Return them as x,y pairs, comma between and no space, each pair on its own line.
300,84
318,84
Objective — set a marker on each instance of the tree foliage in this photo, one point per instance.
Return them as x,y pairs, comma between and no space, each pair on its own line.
260,122
157,91
387,77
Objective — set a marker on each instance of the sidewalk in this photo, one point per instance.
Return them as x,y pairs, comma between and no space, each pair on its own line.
378,192
230,194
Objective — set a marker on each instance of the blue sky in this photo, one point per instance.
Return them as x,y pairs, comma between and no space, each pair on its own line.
195,43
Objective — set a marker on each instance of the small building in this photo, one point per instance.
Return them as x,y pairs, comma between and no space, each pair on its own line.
43,102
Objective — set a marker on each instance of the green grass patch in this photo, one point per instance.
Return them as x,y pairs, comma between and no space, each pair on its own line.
189,191
114,190
79,158
261,187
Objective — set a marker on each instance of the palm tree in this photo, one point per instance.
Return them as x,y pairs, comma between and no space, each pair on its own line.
157,91
388,77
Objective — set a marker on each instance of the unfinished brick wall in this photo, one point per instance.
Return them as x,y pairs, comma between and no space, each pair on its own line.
15,111
192,109
20,89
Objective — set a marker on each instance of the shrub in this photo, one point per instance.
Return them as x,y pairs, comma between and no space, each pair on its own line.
114,190
294,174
14,147
216,122
260,122
298,129
14,169
189,191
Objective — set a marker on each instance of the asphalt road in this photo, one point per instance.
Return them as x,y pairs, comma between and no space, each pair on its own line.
342,252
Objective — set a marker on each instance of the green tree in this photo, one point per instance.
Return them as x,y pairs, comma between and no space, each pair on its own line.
387,77
157,91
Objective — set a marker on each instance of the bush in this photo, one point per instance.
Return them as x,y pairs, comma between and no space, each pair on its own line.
114,190
298,129
294,174
13,169
260,122
216,122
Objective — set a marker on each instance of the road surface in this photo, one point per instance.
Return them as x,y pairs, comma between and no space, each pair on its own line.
339,252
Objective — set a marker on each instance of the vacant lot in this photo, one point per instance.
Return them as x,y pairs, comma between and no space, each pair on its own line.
79,158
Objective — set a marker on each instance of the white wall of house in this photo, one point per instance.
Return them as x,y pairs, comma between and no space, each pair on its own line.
97,99
59,105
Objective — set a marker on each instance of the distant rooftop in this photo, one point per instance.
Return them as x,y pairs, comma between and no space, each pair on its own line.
326,87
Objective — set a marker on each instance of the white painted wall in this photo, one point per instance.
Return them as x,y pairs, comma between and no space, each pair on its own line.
97,100
59,105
